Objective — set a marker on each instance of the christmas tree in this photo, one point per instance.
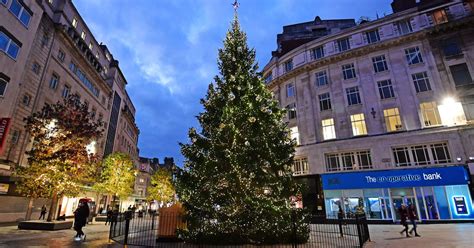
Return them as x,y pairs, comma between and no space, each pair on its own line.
237,181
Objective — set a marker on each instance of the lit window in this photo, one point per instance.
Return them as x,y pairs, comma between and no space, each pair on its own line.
413,55
461,74
289,65
372,36
440,153
353,96
317,53
321,78
385,89
142,180
26,100
8,45
20,12
324,102
295,135
452,112
402,156
66,91
343,44
392,119
53,83
358,124
91,45
291,108
404,27
379,63
421,81
107,56
329,131
61,55
50,1
97,55
348,71
3,86
439,16
430,114
83,35
290,90
300,166
74,22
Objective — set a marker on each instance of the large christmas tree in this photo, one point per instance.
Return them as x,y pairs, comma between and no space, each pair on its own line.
237,181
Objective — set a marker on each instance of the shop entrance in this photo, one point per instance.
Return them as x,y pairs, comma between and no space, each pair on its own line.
402,196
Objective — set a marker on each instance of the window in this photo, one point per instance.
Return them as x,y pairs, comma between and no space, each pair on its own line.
358,124
36,68
8,45
460,74
289,65
74,22
66,91
329,132
290,90
421,81
451,47
420,155
404,27
317,53
97,55
413,56
268,78
291,108
372,36
430,114
353,96
349,161
440,153
402,156
91,45
343,44
385,89
44,39
15,137
300,166
84,79
23,14
439,16
392,119
295,135
53,83
348,71
3,86
83,35
324,102
26,99
321,78
61,55
380,64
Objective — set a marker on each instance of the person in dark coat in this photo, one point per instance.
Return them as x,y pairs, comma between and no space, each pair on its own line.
403,211
43,212
413,217
109,216
80,219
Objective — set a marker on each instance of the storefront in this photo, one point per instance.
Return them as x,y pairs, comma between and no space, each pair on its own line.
439,193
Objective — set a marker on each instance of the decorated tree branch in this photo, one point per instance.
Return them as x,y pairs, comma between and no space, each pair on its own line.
59,162
237,181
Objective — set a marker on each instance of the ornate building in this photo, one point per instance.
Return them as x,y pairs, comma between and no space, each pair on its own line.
383,111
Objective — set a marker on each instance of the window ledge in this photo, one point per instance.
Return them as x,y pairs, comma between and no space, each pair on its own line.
421,64
381,73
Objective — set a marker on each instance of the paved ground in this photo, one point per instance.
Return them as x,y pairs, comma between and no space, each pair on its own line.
432,236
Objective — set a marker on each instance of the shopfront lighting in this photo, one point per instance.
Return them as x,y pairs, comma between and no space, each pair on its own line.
471,158
459,159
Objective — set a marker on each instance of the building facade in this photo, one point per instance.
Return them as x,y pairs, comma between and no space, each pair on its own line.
47,52
383,112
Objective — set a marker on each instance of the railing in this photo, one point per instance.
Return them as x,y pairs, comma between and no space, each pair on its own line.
146,230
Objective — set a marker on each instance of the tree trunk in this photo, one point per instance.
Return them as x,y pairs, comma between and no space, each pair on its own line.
30,208
52,209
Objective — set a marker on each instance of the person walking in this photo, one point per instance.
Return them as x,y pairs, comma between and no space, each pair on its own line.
413,217
80,219
403,211
43,212
109,216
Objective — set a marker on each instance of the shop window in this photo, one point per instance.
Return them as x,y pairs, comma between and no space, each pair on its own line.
413,56
379,63
295,135
300,166
291,108
348,71
420,155
402,157
321,78
290,90
324,102
430,114
358,124
440,153
329,131
386,89
461,74
421,81
392,120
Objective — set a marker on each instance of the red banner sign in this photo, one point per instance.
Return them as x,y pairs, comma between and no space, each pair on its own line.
4,125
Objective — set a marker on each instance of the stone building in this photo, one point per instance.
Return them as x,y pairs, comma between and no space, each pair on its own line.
383,112
55,55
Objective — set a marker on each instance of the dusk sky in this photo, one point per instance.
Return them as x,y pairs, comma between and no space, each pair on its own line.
168,51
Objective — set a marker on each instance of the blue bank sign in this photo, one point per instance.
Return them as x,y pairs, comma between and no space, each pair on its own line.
437,176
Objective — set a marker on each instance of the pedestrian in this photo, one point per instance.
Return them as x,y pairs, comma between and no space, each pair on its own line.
413,217
403,211
109,216
43,212
115,215
80,219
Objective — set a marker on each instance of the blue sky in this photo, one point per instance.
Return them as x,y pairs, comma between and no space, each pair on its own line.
168,51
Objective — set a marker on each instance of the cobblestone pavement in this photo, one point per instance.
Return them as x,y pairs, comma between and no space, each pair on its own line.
432,236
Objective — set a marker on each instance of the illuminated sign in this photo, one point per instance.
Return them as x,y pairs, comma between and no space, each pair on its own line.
460,204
